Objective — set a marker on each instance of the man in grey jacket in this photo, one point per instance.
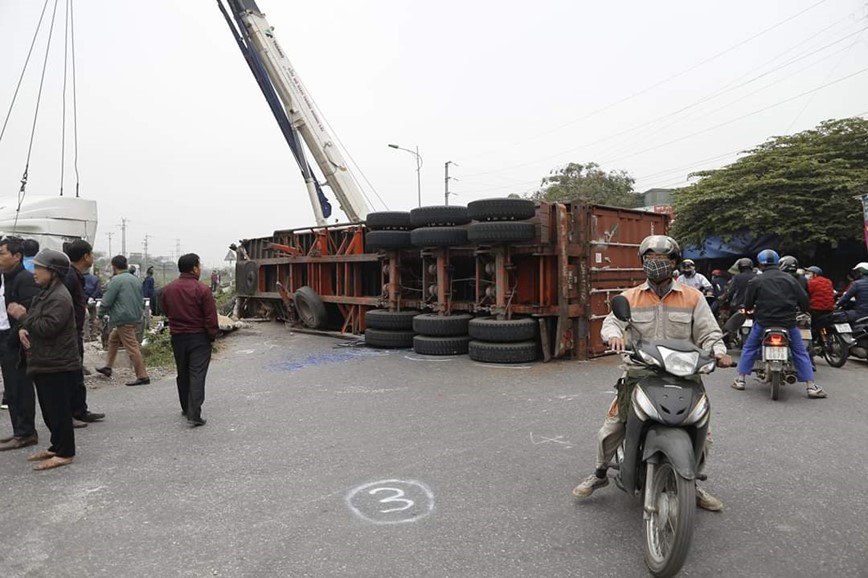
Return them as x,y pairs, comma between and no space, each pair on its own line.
124,303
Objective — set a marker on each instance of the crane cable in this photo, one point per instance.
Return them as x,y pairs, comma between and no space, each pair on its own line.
22,191
69,46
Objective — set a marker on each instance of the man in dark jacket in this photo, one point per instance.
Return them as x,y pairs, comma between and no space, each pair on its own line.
80,255
775,297
858,291
192,314
18,286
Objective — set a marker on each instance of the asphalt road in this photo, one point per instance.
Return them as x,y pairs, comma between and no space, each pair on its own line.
326,460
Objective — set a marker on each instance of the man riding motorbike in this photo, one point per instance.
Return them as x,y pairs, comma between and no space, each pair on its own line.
734,296
789,264
775,297
662,308
691,278
821,295
859,292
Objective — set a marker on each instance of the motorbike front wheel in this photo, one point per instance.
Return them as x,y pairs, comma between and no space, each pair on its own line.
669,528
777,377
835,350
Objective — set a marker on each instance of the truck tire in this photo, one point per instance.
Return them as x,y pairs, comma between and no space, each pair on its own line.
438,236
386,240
310,307
385,339
502,209
501,232
438,216
519,352
248,278
385,319
427,345
388,221
435,325
503,330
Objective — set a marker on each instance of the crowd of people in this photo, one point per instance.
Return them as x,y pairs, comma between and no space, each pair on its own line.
46,297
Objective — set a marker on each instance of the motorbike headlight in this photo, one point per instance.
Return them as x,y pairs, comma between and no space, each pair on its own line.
680,363
699,411
643,406
708,367
649,359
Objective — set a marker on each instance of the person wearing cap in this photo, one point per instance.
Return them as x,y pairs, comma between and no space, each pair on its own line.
858,291
16,286
124,304
774,297
47,335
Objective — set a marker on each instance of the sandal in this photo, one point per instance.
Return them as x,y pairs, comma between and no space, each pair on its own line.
38,457
51,463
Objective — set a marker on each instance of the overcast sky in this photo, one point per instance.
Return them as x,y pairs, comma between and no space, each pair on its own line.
174,134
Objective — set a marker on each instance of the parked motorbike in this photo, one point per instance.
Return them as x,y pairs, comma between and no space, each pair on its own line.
834,338
859,347
664,441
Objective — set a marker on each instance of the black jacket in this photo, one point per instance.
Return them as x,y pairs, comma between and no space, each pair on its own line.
775,297
74,283
19,287
51,327
737,289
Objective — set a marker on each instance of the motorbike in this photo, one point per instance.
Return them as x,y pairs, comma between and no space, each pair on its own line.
834,338
660,455
859,346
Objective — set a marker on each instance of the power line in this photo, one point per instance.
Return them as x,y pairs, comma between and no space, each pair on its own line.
659,83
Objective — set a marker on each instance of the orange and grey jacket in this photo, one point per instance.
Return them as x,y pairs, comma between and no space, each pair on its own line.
683,313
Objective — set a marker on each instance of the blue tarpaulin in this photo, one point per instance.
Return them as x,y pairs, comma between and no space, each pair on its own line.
741,245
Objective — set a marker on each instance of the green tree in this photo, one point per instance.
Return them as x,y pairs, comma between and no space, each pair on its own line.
588,182
799,187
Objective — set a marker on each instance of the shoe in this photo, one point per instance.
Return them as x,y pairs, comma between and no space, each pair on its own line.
18,443
141,381
78,424
738,384
591,483
4,404
197,421
90,416
39,456
7,439
51,463
706,501
106,371
815,391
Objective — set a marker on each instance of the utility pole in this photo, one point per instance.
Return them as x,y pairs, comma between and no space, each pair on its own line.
109,235
447,180
124,236
145,248
177,249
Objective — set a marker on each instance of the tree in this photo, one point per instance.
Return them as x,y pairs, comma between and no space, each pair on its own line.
588,182
799,187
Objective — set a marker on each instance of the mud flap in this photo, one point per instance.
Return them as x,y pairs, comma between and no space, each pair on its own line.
675,444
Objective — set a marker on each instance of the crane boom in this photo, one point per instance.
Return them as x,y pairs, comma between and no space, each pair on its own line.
302,114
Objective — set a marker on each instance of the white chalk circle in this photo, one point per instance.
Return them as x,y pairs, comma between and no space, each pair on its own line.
391,501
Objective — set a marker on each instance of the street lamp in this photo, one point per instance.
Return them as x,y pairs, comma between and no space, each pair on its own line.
418,168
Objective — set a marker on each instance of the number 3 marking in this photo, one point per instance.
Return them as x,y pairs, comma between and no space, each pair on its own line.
396,498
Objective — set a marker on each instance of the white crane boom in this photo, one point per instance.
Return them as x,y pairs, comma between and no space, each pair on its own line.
302,115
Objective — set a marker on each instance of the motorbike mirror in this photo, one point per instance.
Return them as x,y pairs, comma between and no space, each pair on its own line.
621,307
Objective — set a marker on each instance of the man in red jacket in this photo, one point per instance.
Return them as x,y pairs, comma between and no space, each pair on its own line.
192,314
822,296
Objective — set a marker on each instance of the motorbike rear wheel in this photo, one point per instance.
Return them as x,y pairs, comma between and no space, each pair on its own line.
669,529
776,378
835,351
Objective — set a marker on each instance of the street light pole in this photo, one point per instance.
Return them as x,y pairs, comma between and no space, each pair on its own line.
418,169
446,196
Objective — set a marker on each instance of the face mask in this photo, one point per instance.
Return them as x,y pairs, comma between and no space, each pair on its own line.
658,270
690,273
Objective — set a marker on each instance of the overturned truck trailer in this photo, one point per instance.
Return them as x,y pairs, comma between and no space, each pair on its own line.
513,271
